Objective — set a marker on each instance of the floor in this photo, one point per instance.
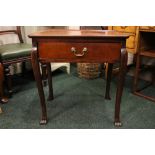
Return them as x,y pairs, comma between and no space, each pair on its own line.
78,104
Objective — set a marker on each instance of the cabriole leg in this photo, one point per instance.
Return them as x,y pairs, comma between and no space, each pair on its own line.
37,74
121,79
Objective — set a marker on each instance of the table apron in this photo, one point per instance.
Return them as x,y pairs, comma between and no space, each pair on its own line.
79,52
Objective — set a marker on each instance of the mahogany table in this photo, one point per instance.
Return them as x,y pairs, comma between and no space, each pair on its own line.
79,46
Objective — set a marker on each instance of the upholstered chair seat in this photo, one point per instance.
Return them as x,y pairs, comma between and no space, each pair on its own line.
14,51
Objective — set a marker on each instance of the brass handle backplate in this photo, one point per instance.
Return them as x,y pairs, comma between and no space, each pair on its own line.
76,53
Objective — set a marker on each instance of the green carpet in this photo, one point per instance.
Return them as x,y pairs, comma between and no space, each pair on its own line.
78,104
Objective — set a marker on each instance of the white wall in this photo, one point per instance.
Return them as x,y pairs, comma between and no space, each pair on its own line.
74,27
26,30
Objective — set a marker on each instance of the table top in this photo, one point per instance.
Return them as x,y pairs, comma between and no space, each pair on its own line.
78,33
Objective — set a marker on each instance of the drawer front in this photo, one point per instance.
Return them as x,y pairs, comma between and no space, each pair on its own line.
79,52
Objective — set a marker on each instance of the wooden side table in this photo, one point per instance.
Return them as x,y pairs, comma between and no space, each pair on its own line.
79,46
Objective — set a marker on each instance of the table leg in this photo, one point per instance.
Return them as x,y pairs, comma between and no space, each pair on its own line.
50,85
108,81
37,74
44,73
122,72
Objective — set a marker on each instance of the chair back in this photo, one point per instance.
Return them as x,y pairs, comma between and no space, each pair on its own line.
9,31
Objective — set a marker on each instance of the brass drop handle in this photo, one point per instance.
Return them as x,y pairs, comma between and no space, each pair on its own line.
73,49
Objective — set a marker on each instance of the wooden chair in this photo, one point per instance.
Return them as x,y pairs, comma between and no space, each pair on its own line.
146,49
13,53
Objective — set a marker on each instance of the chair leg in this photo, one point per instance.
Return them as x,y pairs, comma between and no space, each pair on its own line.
23,68
3,99
44,73
1,90
8,79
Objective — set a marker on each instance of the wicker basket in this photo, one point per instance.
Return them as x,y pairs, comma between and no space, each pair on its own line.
88,70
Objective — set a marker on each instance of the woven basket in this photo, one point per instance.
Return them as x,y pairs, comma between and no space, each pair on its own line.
88,70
